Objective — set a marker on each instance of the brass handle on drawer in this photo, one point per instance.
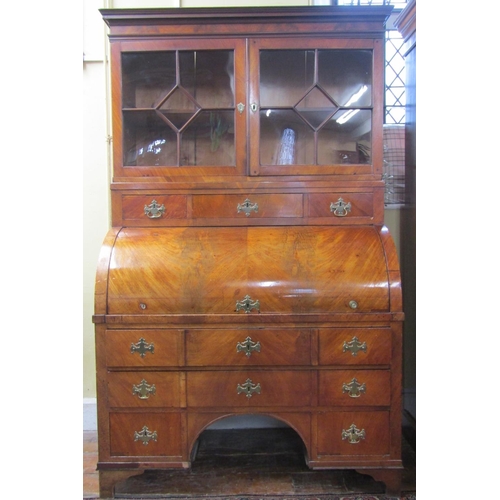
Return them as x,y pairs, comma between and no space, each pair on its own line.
340,208
248,346
247,206
354,346
142,347
354,388
145,435
247,304
353,434
248,388
143,390
153,210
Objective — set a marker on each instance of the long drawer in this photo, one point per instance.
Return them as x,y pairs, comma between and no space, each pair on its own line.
248,347
249,388
254,206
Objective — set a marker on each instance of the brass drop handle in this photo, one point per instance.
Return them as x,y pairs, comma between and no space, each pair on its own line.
142,347
248,346
143,390
353,434
354,346
247,206
248,388
354,388
340,208
153,210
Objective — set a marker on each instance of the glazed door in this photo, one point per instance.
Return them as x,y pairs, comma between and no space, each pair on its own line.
314,107
176,108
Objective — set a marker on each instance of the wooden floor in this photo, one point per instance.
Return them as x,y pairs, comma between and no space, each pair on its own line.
258,462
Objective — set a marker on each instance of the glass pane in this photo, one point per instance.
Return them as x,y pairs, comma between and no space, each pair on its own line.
285,76
346,138
148,140
285,139
316,107
208,75
147,78
346,75
179,108
209,140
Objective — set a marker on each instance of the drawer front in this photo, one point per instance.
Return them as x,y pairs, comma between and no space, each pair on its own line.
249,388
355,388
247,347
145,434
143,348
153,207
341,205
144,389
355,346
253,206
353,433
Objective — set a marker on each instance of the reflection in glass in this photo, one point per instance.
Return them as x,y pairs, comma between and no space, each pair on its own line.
321,97
346,138
342,73
149,140
172,98
273,124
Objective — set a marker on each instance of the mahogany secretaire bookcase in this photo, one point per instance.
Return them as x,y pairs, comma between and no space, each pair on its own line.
248,270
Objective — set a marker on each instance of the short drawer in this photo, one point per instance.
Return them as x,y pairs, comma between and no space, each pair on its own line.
249,388
353,433
341,205
145,434
144,389
153,207
354,388
253,206
143,348
355,346
248,347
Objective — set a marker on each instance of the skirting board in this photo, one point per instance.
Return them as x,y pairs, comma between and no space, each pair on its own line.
242,422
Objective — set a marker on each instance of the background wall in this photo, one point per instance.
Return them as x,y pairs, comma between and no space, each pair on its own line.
97,154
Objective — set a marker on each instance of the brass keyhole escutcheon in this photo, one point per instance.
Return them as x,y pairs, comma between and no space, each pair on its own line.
247,304
248,346
248,388
353,434
145,435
